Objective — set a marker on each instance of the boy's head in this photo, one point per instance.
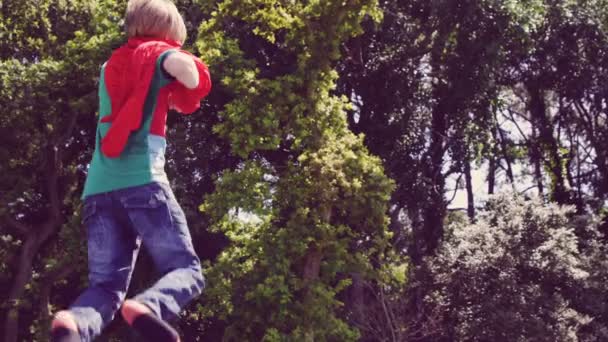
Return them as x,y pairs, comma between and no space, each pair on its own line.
154,18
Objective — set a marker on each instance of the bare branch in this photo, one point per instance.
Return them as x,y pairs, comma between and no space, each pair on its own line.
527,189
584,113
521,132
452,170
456,188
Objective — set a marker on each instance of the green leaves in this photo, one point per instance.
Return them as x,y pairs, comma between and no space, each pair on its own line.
529,14
244,190
310,192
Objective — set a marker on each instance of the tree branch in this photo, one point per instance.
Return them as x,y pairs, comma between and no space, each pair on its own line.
523,135
456,188
20,227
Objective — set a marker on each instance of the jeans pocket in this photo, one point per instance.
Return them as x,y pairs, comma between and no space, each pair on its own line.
96,230
148,206
150,200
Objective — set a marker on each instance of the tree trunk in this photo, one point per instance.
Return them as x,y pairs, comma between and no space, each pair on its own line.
312,264
434,210
538,175
576,195
491,174
34,240
507,157
493,160
470,196
548,143
536,159
312,270
29,250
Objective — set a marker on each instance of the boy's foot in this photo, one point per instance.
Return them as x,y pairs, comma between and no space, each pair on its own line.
145,322
64,328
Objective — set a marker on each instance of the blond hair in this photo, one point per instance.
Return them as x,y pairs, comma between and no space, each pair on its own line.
154,18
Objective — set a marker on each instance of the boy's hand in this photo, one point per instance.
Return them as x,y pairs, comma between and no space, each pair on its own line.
182,67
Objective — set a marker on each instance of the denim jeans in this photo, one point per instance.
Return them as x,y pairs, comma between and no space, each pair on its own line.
118,223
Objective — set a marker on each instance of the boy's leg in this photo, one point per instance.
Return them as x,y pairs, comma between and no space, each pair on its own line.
149,326
112,251
160,221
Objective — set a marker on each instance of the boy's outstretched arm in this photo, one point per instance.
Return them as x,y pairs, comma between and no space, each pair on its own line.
182,67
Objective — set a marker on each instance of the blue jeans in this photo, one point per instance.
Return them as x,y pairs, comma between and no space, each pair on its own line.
118,223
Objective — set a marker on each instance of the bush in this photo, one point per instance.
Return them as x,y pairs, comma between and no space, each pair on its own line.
520,273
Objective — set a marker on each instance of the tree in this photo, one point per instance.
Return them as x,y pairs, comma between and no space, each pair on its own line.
299,248
426,82
43,101
516,274
308,205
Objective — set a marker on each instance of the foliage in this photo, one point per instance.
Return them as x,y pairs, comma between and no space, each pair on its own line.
310,216
293,228
518,273
48,93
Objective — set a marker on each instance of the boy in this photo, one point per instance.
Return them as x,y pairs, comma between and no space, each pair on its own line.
127,198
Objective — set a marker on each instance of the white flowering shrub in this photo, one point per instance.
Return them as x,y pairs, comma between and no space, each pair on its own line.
520,273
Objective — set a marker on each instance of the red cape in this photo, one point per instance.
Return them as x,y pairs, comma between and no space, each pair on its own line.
128,75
